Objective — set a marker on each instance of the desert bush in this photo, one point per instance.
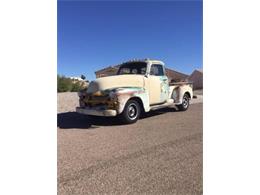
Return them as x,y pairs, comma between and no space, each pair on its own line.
76,86
65,84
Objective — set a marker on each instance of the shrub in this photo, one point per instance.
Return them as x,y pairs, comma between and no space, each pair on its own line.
65,84
76,86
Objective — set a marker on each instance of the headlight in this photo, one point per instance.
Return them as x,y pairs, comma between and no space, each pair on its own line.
82,93
112,94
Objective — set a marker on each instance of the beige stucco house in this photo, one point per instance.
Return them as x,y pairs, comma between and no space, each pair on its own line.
197,78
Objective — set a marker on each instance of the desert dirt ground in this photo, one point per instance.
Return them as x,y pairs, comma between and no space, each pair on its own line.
160,154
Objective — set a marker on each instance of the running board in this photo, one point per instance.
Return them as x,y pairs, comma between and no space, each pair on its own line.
167,104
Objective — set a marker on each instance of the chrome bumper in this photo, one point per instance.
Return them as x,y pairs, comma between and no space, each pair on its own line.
95,112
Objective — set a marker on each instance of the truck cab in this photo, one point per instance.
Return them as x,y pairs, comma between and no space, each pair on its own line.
139,86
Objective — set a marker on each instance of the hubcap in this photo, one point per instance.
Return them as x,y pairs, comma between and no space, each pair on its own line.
185,102
132,111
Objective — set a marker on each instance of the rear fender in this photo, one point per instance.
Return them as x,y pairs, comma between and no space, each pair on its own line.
178,93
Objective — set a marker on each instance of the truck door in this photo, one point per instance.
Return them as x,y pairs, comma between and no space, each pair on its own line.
158,84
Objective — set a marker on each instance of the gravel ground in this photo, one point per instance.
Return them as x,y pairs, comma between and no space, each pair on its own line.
160,154
198,92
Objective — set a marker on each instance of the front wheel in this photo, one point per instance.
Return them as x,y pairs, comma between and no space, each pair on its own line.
185,103
131,112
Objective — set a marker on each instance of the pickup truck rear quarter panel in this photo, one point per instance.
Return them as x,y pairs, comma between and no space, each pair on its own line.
177,91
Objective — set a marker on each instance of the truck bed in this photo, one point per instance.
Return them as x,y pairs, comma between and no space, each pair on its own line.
180,83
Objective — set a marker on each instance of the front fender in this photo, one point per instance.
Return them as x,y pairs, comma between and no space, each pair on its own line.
124,94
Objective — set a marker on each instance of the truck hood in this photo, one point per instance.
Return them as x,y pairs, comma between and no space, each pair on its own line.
115,81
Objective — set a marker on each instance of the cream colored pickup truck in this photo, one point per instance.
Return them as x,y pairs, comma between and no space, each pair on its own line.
139,86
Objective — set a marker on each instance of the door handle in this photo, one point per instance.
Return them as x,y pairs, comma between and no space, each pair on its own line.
164,79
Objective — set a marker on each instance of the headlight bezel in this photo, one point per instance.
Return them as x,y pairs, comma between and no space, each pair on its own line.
112,94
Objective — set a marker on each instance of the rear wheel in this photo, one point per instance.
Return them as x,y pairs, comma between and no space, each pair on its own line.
131,112
185,103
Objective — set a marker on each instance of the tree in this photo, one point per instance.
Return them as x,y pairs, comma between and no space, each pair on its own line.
83,77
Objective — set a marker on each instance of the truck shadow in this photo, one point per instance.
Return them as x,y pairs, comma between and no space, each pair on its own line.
73,120
68,120
157,112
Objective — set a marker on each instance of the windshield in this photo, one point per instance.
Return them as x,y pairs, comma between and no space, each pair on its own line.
133,68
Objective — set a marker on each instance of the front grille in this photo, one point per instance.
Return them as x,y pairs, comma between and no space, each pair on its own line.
100,101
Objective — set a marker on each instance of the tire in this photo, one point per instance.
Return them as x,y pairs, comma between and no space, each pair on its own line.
131,112
185,103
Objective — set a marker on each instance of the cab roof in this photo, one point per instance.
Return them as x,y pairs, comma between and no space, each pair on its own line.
145,60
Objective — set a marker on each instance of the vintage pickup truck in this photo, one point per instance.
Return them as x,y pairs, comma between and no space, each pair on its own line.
139,86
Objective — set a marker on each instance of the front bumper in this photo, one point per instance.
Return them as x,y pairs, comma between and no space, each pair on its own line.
96,112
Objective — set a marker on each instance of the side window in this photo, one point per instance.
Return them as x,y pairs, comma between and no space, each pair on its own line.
157,70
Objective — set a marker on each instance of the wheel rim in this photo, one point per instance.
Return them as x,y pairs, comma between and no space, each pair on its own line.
185,101
132,111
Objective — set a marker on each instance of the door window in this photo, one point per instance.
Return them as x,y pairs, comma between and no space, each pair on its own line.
157,70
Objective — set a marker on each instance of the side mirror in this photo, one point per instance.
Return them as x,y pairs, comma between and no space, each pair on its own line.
146,75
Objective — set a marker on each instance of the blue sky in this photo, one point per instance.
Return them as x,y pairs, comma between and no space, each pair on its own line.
96,34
